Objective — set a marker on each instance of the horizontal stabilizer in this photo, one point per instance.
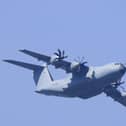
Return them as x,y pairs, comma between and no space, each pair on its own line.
24,65
36,55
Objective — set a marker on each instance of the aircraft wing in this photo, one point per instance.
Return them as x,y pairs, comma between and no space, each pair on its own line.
116,95
24,65
65,65
37,55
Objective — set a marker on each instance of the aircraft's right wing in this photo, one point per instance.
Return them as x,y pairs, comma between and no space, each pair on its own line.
65,65
116,95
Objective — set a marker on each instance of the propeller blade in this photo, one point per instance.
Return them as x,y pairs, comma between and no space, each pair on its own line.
63,53
84,63
65,57
82,59
57,54
60,53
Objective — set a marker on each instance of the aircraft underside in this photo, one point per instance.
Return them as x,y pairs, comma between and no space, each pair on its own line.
82,90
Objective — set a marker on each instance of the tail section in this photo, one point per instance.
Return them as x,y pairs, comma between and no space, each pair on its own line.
42,76
45,80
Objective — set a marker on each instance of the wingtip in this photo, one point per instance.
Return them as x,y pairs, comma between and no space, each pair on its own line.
4,60
21,50
24,51
7,61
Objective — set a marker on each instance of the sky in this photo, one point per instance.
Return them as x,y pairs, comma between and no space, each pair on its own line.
95,29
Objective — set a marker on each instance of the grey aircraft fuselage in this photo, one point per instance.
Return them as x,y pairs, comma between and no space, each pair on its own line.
96,79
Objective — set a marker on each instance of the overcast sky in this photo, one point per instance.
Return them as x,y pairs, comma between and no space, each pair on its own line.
95,29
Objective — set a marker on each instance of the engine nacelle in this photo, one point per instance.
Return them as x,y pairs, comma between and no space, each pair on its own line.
75,66
53,59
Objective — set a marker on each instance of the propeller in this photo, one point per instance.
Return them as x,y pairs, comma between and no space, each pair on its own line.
81,61
60,54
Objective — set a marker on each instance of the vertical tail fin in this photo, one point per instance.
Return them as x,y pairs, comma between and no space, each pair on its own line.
45,80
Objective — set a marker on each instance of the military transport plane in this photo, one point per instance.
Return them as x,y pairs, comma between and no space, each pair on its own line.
82,81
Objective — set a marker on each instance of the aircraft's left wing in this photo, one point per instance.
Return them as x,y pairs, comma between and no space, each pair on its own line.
65,65
38,56
116,95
